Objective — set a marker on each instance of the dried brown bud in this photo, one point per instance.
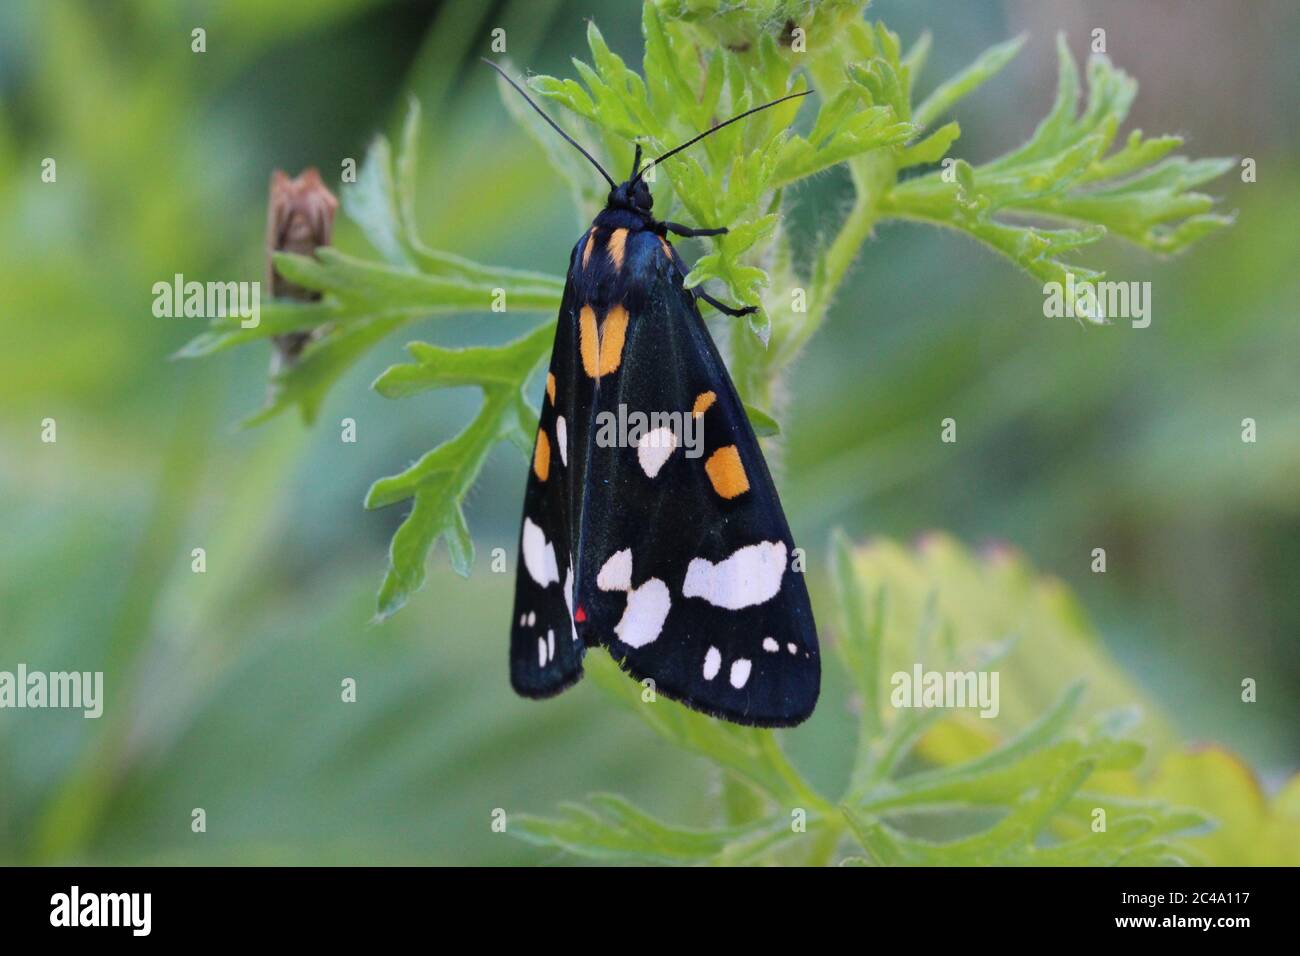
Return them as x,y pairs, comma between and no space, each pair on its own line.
300,218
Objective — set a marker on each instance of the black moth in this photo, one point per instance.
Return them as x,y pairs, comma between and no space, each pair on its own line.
673,555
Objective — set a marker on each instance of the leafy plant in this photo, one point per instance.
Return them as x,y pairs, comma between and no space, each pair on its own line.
1027,793
704,61
1028,790
248,652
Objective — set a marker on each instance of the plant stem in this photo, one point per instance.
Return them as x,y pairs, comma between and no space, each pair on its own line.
874,176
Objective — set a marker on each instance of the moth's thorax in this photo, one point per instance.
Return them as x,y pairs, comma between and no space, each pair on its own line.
616,217
618,260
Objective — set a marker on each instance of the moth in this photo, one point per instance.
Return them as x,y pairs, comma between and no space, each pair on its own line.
679,564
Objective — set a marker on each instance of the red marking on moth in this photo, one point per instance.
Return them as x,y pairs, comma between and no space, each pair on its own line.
579,615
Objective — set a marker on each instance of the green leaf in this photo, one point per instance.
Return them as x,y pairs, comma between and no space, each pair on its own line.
372,204
764,425
844,130
1063,173
365,303
490,366
439,482
305,384
952,91
931,149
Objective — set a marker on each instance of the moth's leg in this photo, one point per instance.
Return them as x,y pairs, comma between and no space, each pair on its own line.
722,306
699,292
678,229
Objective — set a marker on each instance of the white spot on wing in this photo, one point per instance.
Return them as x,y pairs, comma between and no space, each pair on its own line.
616,575
739,672
539,555
751,575
654,448
550,645
532,618
712,663
562,439
791,648
770,645
643,619
541,652
568,600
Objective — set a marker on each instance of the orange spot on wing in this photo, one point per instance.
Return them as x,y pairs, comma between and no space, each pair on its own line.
668,250
616,244
703,402
542,456
586,249
550,387
588,342
601,349
612,334
727,473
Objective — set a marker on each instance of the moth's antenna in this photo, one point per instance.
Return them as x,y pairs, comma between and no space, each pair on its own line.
555,126
712,130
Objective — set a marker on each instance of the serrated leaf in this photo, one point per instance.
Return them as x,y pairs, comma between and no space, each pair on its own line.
987,65
489,366
931,149
441,479
366,303
1138,193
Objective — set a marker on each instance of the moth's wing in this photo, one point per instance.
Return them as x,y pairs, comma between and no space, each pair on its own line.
545,653
686,557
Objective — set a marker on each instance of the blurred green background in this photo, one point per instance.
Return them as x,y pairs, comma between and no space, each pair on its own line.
223,688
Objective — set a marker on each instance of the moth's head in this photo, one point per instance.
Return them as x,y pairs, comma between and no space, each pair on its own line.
633,195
